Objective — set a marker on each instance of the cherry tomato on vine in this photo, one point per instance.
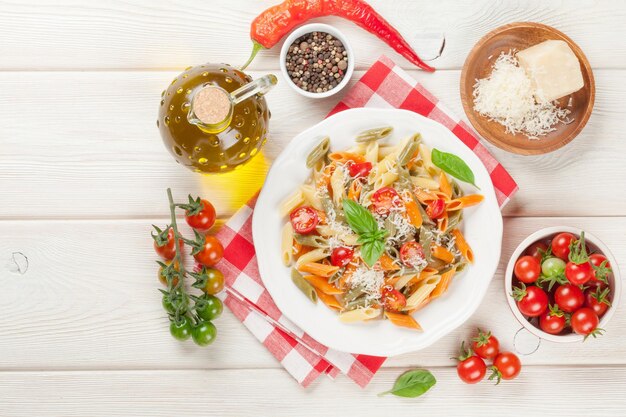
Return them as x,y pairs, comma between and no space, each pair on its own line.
527,269
506,366
209,307
412,254
597,300
569,297
358,170
553,320
384,200
304,220
181,329
164,244
211,251
486,345
211,281
393,299
471,368
172,301
341,256
537,250
203,333
578,274
202,219
560,245
161,275
436,208
531,301
585,322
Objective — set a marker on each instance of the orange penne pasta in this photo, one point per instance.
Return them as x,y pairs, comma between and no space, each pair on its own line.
444,185
343,157
442,253
426,272
444,283
421,306
355,190
316,268
403,320
328,299
412,211
347,274
387,264
322,216
464,202
322,284
462,246
424,196
442,223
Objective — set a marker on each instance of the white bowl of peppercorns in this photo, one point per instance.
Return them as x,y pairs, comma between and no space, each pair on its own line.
316,60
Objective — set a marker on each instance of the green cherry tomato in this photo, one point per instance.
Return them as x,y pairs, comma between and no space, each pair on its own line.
203,333
173,300
214,281
181,330
552,267
209,307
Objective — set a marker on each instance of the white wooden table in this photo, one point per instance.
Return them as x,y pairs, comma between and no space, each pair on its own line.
83,174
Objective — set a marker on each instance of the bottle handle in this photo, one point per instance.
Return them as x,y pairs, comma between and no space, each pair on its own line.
259,86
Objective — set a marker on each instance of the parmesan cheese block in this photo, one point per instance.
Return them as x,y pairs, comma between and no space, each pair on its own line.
553,69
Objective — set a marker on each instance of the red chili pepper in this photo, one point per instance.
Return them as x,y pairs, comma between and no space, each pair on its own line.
274,23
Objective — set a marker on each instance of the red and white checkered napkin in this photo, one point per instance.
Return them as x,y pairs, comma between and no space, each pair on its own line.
384,85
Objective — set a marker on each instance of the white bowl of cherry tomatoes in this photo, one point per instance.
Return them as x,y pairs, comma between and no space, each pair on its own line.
562,284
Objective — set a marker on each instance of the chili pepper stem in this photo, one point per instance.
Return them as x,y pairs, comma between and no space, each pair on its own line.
256,47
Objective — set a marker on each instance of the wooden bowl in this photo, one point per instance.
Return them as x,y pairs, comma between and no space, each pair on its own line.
478,65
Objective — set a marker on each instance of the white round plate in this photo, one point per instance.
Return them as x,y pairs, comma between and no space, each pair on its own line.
482,227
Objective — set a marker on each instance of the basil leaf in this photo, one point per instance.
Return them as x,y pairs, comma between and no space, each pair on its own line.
372,251
359,218
453,165
412,384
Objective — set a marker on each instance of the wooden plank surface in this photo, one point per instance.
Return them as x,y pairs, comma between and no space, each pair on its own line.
90,292
164,34
582,392
100,155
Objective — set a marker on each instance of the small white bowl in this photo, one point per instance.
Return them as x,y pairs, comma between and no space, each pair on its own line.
316,27
615,281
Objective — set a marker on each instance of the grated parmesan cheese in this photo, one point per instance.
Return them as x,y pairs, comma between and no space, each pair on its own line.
370,280
507,97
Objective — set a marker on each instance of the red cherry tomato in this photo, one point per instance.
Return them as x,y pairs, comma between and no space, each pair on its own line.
569,297
304,220
506,366
560,245
531,301
211,252
360,169
596,299
167,250
341,256
486,345
393,300
602,267
471,368
537,250
552,321
412,254
436,208
202,220
578,274
527,269
585,322
384,200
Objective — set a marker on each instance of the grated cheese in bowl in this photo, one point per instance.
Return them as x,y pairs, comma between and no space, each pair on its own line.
508,97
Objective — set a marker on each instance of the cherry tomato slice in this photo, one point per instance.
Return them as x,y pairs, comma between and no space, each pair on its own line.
412,254
358,170
384,200
341,256
393,300
436,208
304,220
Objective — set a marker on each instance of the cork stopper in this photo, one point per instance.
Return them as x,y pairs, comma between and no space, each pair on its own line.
211,105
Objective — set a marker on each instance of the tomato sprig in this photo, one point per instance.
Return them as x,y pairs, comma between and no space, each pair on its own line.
578,250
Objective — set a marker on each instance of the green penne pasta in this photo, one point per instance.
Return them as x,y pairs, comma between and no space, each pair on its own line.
311,240
374,134
318,152
409,150
303,285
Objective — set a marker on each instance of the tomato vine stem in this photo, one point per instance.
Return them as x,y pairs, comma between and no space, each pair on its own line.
177,258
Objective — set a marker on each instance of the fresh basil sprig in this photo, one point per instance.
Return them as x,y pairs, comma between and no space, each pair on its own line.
363,223
453,165
412,384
